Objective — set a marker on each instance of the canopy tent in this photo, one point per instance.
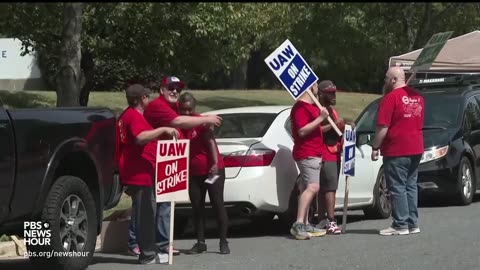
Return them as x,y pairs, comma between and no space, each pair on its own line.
459,55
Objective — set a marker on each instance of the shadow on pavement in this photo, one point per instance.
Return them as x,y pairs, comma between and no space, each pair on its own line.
105,259
438,201
15,264
245,228
369,231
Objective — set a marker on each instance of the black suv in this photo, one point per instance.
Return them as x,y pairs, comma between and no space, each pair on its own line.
451,162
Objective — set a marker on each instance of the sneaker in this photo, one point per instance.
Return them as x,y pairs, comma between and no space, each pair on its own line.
199,247
175,252
160,258
298,231
134,251
394,231
414,230
224,248
314,231
332,228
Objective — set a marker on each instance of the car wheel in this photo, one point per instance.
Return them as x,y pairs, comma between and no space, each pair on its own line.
465,182
72,217
381,207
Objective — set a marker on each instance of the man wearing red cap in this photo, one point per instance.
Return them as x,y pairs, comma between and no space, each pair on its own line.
332,148
162,112
133,133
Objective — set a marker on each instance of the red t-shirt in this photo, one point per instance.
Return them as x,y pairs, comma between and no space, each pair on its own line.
133,169
402,112
311,145
331,139
200,163
159,113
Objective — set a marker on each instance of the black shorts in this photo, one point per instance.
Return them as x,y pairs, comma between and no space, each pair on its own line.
329,176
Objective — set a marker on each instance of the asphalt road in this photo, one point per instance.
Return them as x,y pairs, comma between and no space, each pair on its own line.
450,239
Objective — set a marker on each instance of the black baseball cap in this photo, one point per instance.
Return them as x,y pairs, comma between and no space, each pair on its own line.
137,91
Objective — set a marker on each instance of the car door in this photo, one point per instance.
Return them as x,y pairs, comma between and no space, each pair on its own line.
472,127
7,162
366,170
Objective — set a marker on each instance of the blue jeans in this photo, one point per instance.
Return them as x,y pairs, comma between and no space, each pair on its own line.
162,226
401,177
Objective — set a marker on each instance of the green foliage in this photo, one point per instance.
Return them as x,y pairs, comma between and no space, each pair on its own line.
207,44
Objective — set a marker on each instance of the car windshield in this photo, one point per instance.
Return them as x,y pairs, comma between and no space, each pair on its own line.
244,125
441,111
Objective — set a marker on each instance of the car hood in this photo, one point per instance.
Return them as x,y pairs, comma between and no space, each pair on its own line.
437,137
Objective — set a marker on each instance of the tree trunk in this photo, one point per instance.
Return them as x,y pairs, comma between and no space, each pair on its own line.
240,76
70,78
87,64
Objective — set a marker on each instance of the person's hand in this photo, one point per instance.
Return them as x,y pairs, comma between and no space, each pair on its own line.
375,155
213,120
213,170
324,113
351,123
172,132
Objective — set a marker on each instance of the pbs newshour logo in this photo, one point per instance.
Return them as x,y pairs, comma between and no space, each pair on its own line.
36,233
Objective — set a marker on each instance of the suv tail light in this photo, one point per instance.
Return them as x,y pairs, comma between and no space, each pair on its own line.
250,158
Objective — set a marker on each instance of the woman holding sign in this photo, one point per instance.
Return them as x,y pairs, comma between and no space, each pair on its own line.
207,172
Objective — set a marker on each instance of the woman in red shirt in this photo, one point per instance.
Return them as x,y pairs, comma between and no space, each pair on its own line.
205,163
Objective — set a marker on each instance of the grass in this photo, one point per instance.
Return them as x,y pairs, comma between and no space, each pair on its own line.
349,105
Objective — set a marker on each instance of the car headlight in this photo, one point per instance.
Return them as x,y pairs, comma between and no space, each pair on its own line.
433,154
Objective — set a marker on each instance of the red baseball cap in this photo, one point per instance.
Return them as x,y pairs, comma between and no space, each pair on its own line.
172,80
327,86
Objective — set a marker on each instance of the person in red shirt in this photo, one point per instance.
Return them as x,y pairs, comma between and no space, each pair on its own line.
306,118
133,132
332,148
399,137
162,112
205,162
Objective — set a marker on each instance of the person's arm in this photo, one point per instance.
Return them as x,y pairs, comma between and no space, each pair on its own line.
380,134
327,127
149,135
384,119
188,122
310,127
211,150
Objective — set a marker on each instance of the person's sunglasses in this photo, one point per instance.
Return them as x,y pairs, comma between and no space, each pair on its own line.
171,88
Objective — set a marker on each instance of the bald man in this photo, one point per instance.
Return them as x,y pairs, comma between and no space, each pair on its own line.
399,137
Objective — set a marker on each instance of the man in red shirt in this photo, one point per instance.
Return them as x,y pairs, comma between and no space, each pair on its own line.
306,118
205,163
399,137
133,132
332,148
162,112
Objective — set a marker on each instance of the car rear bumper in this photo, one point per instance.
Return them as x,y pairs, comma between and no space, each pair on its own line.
254,191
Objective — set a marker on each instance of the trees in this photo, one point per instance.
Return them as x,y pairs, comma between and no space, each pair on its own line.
222,45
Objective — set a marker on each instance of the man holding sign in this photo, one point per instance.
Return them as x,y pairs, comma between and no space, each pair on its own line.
399,136
307,152
133,132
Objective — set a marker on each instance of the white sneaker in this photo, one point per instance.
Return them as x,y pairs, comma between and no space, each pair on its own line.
393,231
161,258
414,230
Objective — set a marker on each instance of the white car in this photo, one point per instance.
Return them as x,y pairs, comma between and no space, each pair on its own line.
256,145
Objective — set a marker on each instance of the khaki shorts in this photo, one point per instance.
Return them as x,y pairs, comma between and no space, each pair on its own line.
310,169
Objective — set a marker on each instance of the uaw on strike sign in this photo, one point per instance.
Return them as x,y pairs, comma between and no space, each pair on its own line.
172,170
349,145
291,69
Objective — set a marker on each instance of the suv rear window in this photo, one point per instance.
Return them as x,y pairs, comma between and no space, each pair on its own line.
244,125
